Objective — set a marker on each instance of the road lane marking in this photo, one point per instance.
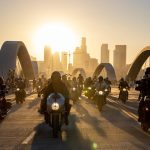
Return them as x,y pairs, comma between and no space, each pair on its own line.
123,107
29,138
130,115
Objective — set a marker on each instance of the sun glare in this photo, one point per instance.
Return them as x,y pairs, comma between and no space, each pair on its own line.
57,36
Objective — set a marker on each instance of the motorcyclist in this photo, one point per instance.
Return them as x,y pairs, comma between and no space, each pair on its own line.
100,84
108,82
2,93
56,85
123,84
43,80
144,88
74,82
80,79
88,82
21,85
34,84
65,81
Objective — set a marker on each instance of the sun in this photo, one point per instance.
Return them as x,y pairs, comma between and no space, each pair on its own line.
58,36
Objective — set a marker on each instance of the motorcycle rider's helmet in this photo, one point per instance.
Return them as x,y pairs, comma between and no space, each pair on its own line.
122,79
74,79
147,71
100,78
64,77
56,76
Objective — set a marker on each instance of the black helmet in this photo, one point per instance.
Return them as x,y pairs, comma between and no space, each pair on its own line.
100,78
55,76
147,71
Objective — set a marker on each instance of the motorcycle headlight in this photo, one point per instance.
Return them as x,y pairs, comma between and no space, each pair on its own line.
106,90
17,89
89,88
146,108
124,89
100,92
55,106
74,89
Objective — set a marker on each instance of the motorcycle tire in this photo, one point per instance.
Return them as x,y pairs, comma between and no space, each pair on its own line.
100,105
144,127
55,125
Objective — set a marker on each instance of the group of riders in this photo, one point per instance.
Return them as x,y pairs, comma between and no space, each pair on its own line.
64,85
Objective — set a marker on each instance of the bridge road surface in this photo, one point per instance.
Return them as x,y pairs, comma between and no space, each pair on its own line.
115,128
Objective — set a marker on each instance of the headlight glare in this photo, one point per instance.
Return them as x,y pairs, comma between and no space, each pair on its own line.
55,106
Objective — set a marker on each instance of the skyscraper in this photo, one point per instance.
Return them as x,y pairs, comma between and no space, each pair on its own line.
47,60
104,53
47,55
56,65
64,61
83,45
119,60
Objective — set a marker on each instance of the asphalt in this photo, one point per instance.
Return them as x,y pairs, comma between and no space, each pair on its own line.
115,128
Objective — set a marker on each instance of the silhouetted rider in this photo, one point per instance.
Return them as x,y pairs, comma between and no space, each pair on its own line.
123,84
80,79
2,94
56,86
144,88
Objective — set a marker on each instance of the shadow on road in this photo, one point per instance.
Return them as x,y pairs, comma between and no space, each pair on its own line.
73,139
128,125
90,120
33,103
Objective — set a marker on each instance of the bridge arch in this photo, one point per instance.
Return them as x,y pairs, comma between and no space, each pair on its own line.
109,70
81,70
8,55
138,63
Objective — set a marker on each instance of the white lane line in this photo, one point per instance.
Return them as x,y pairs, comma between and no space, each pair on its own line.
135,117
124,105
130,114
29,138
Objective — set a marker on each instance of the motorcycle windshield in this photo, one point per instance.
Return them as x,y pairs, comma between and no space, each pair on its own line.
55,97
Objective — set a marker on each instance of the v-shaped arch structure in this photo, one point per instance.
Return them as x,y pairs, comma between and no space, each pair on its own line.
8,55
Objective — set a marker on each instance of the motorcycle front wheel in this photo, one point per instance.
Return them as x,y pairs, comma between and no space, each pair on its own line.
144,127
55,125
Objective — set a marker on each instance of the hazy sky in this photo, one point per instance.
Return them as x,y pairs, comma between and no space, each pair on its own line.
100,21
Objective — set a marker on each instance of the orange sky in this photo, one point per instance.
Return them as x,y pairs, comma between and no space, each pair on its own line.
100,21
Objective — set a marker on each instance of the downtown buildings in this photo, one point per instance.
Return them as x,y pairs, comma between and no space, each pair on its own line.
119,60
62,61
80,58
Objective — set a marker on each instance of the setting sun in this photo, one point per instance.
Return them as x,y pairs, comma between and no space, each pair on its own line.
58,36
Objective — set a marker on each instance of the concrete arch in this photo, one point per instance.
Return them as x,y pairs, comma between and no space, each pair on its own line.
9,52
109,69
138,63
81,70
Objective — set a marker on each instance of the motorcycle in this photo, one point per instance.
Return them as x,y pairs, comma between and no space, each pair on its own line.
89,92
107,91
123,95
74,94
80,88
20,95
4,106
145,115
56,112
39,88
99,99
